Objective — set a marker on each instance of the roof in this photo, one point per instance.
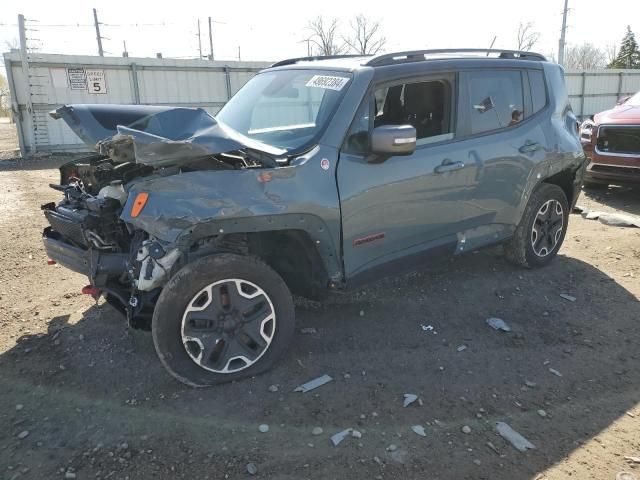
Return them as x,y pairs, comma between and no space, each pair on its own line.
351,62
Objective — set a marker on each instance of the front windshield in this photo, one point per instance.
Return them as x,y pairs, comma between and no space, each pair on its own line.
285,108
634,101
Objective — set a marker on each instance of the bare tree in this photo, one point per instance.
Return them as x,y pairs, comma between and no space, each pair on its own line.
611,53
324,35
584,57
367,38
527,36
11,43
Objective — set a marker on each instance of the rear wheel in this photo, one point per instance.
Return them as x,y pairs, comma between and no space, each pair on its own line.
542,229
222,318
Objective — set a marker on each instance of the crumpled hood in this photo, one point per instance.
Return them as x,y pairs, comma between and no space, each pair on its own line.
155,135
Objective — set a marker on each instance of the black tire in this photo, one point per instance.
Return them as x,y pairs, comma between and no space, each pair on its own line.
520,248
179,295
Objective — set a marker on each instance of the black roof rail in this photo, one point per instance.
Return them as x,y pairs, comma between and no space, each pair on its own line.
291,61
419,55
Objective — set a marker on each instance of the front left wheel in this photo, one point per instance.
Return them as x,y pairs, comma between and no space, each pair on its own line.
222,318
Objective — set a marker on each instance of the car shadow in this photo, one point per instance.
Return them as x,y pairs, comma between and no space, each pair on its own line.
626,199
89,386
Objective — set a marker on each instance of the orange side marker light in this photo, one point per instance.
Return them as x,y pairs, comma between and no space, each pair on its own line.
139,203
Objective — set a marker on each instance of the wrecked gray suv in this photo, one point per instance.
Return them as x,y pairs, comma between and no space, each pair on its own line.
319,175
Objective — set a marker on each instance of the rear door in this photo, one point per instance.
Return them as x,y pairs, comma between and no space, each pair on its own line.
505,144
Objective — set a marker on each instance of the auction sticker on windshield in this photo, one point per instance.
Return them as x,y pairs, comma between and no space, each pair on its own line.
327,81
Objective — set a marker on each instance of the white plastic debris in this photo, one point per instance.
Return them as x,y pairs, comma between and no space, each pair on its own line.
419,430
555,372
264,428
514,438
356,434
619,220
428,328
409,398
462,348
315,383
498,324
566,296
340,436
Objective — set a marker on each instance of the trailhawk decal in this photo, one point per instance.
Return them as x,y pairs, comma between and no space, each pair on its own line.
324,164
368,239
327,81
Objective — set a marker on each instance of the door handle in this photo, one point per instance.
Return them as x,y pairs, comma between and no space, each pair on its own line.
529,147
448,165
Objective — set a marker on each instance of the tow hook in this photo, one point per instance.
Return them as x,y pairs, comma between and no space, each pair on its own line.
91,290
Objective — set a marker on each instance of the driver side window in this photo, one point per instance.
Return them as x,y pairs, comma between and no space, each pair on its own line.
427,106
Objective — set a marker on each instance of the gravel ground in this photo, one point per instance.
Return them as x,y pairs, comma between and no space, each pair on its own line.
84,397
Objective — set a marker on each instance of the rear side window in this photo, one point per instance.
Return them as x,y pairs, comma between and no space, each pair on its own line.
496,100
538,90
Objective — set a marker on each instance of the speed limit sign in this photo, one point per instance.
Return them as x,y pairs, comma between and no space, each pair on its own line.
96,82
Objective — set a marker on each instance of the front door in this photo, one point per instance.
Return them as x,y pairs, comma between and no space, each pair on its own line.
400,211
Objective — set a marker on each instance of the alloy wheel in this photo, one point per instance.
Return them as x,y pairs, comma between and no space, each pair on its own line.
228,325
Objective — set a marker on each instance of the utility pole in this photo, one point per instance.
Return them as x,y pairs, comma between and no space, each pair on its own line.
125,53
562,33
98,37
238,52
24,58
210,40
199,41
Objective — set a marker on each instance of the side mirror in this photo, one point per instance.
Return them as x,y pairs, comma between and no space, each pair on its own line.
389,140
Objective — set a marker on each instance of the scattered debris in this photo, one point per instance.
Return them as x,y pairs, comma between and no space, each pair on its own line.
477,462
530,384
619,220
428,328
555,372
498,324
362,313
493,447
356,434
466,429
317,431
409,398
399,456
580,209
23,434
633,459
631,415
419,429
252,469
273,388
19,407
462,348
509,434
315,383
340,436
308,330
625,476
264,428
566,296
69,475
392,448
542,413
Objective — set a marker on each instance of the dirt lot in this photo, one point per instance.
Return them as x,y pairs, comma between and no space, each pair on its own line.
94,400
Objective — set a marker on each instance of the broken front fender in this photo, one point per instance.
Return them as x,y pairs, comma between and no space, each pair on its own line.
181,209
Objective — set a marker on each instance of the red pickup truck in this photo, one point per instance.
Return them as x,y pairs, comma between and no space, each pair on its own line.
611,141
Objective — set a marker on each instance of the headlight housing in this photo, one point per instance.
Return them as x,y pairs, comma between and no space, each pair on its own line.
586,130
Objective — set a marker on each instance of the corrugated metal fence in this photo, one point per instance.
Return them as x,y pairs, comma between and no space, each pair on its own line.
49,81
41,82
592,91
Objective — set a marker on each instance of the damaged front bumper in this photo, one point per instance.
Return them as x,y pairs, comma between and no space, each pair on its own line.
96,265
